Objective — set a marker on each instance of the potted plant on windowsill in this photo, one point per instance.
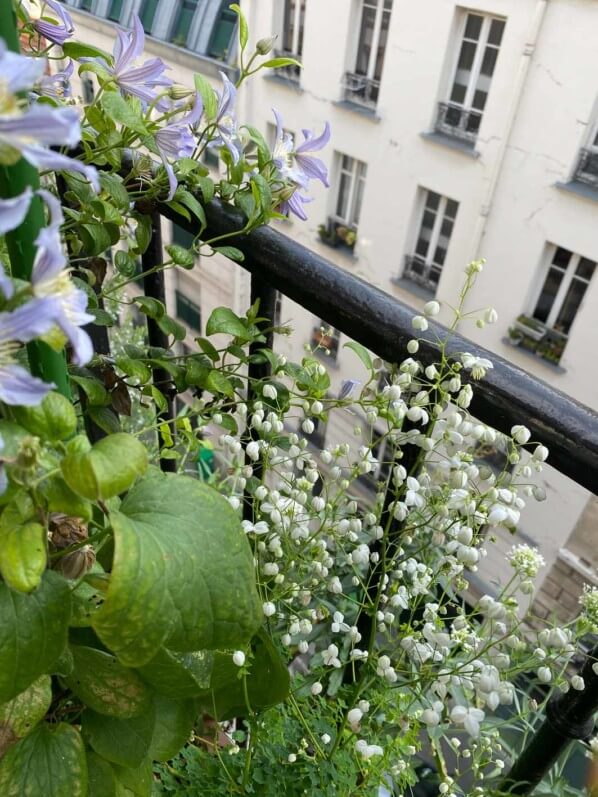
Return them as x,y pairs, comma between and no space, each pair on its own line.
328,235
530,327
347,236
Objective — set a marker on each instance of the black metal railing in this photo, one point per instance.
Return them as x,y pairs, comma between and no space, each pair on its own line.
505,397
421,272
361,90
458,122
290,72
586,170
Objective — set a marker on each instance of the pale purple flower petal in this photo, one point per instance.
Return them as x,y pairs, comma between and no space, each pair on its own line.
18,387
18,71
59,30
226,122
46,159
14,210
6,285
29,321
176,141
295,205
41,124
57,85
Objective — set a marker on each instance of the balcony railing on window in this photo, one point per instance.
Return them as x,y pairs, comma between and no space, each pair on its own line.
361,90
587,167
458,122
291,72
419,271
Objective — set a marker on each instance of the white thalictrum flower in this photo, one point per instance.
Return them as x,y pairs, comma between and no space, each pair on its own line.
330,656
270,392
470,718
520,434
316,688
354,718
477,365
239,658
578,683
367,750
269,609
525,560
432,308
419,322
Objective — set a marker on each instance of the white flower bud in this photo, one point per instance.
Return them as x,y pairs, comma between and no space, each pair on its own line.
253,450
270,392
269,609
545,675
578,683
540,454
308,426
316,688
239,658
419,322
520,434
431,308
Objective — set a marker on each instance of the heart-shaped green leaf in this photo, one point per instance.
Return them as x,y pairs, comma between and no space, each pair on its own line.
174,722
100,776
53,419
104,685
122,741
182,575
108,469
33,630
179,675
50,762
23,555
20,715
62,499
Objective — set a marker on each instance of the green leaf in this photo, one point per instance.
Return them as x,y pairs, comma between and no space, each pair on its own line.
268,682
151,307
22,555
201,595
243,29
127,111
100,775
263,192
208,96
33,631
102,318
361,352
275,63
105,685
174,723
206,185
125,264
134,368
181,256
187,199
76,50
178,675
108,469
137,781
143,233
231,252
208,348
61,498
121,741
53,419
112,184
223,320
50,762
96,393
86,600
217,382
20,715
96,238
105,418
169,326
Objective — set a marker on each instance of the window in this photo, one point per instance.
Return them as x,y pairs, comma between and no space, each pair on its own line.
86,5
293,26
211,158
564,288
222,32
363,84
87,90
182,22
188,311
115,10
435,230
147,12
351,185
181,237
462,114
586,170
277,309
326,340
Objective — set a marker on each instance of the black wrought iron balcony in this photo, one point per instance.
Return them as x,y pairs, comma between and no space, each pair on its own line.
458,122
421,272
361,90
586,170
291,72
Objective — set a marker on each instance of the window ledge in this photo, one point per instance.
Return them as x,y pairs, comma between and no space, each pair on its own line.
554,367
413,287
284,81
361,110
345,251
451,142
581,189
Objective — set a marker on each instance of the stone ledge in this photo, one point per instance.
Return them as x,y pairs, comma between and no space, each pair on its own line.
569,558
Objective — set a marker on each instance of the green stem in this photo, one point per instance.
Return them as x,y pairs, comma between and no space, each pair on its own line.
44,362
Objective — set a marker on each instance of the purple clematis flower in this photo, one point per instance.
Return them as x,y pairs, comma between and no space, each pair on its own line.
295,163
57,28
226,121
51,279
37,127
57,85
14,210
137,81
294,204
27,322
176,141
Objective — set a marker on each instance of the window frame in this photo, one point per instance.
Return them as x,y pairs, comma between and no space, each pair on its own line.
357,174
183,301
298,28
569,276
380,10
428,261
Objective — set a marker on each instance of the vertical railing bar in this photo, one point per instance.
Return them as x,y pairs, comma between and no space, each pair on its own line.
154,287
262,290
569,717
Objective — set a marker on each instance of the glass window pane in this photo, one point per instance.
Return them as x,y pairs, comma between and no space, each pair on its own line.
222,32
473,26
357,202
561,257
570,306
585,268
301,28
347,164
548,295
115,10
182,24
86,5
463,73
366,36
147,14
479,101
497,27
181,237
382,40
489,61
343,196
288,25
433,200
451,208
